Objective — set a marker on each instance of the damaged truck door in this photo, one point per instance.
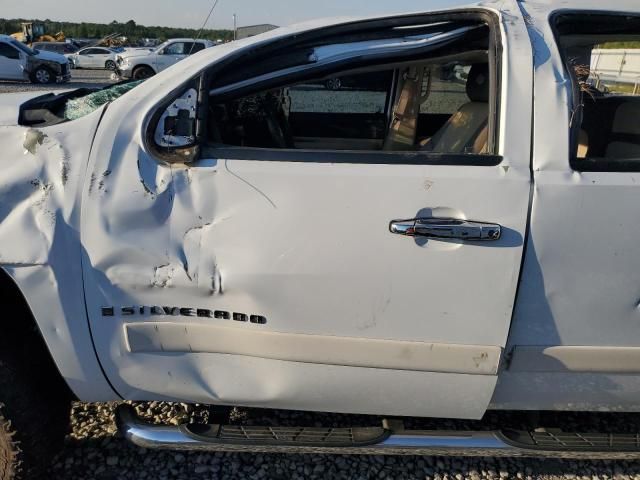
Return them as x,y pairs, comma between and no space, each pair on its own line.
12,63
254,238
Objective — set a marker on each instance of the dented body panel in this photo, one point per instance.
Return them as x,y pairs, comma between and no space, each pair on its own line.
43,173
276,283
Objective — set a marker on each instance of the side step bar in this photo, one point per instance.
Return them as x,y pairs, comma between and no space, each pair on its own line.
391,439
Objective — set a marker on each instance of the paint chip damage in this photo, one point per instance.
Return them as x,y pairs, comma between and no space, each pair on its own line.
32,139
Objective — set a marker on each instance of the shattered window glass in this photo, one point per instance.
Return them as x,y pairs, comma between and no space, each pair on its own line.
79,107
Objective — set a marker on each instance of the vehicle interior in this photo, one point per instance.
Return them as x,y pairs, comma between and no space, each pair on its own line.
606,96
435,94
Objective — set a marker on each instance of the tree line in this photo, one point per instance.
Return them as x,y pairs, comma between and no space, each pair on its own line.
130,29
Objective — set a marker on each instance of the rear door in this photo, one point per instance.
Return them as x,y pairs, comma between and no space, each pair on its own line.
284,275
575,338
195,47
101,57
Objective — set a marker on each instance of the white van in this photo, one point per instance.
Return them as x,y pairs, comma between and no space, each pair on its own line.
19,62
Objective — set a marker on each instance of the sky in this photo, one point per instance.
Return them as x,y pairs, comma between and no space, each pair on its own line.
191,13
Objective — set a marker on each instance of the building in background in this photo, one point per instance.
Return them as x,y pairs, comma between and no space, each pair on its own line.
252,30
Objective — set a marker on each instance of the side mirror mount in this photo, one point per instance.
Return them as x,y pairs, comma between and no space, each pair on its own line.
177,125
180,126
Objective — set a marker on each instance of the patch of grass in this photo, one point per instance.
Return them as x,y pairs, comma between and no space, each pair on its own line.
628,45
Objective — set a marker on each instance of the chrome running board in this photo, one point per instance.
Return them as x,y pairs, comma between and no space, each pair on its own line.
389,439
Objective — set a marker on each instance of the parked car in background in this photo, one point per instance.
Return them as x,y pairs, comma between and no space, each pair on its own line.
63,48
140,64
19,62
95,57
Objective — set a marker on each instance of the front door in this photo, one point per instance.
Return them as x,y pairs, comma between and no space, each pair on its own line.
11,63
172,54
278,270
85,58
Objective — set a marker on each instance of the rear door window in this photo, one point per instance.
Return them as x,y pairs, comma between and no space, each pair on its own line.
194,47
602,56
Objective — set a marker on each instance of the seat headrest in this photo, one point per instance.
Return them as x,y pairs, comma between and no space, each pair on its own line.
625,120
478,83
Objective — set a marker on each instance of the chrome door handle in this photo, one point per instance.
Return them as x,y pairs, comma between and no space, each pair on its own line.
446,228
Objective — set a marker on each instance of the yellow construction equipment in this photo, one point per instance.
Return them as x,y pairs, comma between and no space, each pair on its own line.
34,32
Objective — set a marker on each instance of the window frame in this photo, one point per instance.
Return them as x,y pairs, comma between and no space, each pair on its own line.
184,48
7,45
197,47
588,164
204,149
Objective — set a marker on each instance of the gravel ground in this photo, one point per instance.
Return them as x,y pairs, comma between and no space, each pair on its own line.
94,450
79,79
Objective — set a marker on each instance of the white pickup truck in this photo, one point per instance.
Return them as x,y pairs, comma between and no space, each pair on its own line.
19,62
140,64
453,232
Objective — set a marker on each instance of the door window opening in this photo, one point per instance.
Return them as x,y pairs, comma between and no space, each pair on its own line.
602,57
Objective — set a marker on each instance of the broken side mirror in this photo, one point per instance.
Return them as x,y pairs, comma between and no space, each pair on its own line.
177,125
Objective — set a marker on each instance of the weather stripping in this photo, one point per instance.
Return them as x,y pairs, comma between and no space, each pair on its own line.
325,57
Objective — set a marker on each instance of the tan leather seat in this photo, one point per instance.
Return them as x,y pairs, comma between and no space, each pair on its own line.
583,144
467,130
